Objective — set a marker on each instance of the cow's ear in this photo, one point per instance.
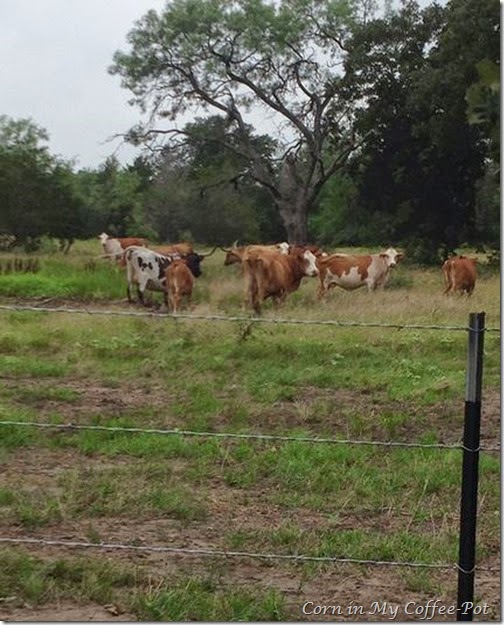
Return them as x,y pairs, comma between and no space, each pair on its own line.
400,256
384,256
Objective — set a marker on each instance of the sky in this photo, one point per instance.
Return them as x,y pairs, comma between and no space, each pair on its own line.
53,69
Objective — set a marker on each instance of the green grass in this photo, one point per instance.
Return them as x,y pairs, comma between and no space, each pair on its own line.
90,579
201,600
296,380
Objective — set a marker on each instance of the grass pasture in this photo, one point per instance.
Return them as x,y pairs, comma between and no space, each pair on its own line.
266,495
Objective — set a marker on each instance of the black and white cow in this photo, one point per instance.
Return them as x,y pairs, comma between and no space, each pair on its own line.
147,269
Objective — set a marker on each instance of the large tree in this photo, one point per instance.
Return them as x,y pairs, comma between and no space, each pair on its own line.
282,59
408,75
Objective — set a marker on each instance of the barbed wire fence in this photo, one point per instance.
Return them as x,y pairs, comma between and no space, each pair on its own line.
470,446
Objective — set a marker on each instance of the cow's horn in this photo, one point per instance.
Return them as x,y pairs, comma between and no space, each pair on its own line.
209,253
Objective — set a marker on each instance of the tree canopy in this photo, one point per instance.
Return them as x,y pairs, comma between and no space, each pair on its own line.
281,58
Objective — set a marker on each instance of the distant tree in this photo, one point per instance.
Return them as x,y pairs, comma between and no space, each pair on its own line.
192,195
36,189
113,197
283,58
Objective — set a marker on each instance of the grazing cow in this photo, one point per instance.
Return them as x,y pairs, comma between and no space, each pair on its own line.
459,274
273,274
147,269
351,272
175,248
179,283
113,247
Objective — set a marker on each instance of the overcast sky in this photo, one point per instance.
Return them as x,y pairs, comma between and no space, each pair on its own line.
53,69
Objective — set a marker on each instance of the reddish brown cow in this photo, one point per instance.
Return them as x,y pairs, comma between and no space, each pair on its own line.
236,253
459,274
272,274
179,283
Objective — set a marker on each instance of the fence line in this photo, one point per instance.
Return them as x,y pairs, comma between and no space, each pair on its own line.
231,435
470,452
243,318
198,551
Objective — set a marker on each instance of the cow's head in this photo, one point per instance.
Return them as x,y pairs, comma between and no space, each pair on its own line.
103,237
310,267
391,257
306,260
193,261
234,254
283,247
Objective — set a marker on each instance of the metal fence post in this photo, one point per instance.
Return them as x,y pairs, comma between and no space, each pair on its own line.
469,493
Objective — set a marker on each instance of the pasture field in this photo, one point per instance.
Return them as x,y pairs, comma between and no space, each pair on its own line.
242,495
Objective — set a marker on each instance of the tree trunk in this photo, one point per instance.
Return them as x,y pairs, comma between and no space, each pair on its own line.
293,203
295,220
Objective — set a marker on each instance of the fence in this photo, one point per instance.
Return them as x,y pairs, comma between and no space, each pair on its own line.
470,448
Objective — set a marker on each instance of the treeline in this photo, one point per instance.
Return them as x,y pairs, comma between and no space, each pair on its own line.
421,97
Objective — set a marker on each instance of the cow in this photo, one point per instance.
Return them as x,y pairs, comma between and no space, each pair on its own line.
459,274
113,247
351,272
235,253
147,269
183,248
273,274
179,283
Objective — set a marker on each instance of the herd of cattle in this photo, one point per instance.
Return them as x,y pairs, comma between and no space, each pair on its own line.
268,270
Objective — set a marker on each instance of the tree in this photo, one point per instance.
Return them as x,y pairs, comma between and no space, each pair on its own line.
408,75
36,189
281,58
113,197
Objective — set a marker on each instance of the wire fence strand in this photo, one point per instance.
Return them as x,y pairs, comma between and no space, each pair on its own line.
242,318
231,435
198,551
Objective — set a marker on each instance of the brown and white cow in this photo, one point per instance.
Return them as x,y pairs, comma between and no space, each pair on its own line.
179,284
273,274
353,271
459,274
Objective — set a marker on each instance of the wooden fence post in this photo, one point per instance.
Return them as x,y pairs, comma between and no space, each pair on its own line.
470,461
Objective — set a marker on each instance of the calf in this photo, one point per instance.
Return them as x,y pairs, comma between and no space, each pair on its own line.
351,272
179,283
459,274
